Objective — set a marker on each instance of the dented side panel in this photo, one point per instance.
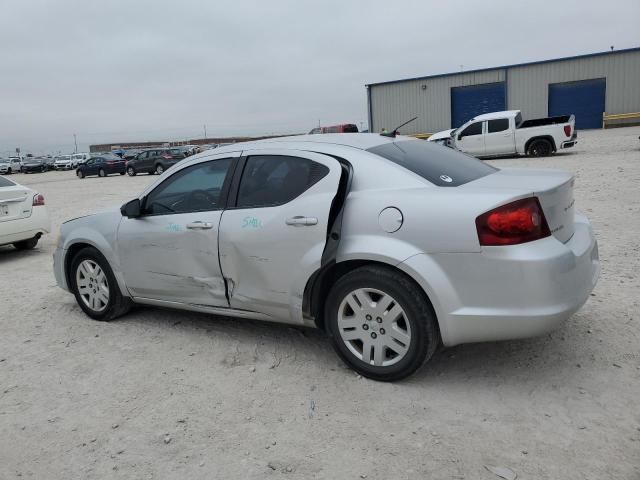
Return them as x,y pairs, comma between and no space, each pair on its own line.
266,261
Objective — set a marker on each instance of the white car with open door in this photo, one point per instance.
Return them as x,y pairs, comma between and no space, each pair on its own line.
23,215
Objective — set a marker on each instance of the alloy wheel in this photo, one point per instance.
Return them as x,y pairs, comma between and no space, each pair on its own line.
374,327
92,285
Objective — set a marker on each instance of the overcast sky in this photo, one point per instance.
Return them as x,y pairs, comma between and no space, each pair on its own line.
127,70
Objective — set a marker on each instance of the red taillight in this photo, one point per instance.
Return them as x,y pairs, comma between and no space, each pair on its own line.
38,200
166,157
517,222
567,130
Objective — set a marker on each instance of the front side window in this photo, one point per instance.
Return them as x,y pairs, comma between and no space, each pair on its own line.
473,129
497,125
194,189
270,180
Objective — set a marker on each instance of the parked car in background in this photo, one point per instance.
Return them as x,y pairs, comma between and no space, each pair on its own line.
156,160
34,165
505,133
79,158
64,162
131,154
342,128
10,165
390,245
101,166
50,162
23,216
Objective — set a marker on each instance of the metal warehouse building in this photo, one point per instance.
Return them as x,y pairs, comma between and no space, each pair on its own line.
586,86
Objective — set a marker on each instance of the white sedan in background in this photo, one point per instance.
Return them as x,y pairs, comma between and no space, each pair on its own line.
23,216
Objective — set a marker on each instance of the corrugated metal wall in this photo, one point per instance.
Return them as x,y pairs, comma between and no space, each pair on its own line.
528,86
527,90
395,103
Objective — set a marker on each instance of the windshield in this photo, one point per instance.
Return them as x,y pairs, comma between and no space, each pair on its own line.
440,165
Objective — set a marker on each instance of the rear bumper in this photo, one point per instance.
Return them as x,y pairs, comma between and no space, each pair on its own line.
25,228
510,292
570,143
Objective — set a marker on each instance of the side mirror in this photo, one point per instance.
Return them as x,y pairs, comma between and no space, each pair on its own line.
132,209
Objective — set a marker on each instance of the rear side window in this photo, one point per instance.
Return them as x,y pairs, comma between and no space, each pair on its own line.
498,125
271,180
4,182
440,165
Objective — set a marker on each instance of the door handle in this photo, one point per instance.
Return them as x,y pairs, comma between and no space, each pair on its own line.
198,225
300,221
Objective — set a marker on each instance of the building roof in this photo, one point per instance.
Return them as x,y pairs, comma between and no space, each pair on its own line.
538,62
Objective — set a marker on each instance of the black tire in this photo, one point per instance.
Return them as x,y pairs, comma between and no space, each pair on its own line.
424,339
27,244
80,174
117,304
540,148
9,172
131,171
102,173
159,169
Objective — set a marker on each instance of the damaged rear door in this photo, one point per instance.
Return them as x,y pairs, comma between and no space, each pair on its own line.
274,231
170,253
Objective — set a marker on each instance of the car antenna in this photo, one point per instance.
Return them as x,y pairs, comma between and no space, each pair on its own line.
394,132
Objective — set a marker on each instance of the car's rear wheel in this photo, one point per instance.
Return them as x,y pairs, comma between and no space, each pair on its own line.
80,174
381,323
159,169
540,148
27,244
95,287
131,172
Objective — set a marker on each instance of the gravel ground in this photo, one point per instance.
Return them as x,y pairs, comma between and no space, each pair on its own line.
168,394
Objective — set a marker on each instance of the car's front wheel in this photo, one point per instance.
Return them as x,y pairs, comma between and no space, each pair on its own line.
95,287
80,174
102,173
159,169
381,323
131,172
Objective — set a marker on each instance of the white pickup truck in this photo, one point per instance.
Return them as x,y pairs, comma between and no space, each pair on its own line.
504,133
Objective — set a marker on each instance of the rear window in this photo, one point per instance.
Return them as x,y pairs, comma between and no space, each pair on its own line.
5,182
350,129
440,165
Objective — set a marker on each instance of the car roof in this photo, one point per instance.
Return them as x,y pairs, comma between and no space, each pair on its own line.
361,141
494,115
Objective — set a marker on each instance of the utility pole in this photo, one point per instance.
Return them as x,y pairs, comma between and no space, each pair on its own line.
205,130
75,142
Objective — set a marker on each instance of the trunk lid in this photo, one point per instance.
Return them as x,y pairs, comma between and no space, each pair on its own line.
16,202
554,189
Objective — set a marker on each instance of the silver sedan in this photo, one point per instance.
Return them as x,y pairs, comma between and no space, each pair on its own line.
393,246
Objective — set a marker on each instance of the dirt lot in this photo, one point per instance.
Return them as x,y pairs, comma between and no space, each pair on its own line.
166,394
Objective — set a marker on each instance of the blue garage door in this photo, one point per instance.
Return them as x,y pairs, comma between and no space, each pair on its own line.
584,99
468,102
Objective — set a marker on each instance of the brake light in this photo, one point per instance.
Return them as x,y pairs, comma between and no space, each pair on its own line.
517,222
38,200
167,157
567,130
